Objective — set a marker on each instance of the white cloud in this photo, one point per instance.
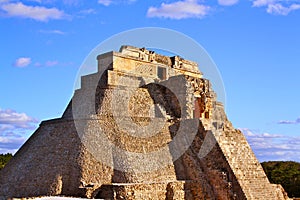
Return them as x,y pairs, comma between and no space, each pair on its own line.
66,2
13,126
38,13
37,1
105,2
297,121
11,144
131,1
22,62
260,3
227,2
179,10
71,2
11,118
88,11
48,63
277,7
51,63
268,146
116,2
59,32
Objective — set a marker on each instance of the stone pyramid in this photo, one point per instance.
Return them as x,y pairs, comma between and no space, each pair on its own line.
145,126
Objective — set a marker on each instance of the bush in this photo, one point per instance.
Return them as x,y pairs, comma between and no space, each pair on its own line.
4,158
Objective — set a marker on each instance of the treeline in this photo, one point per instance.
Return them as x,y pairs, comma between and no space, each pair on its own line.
4,158
285,173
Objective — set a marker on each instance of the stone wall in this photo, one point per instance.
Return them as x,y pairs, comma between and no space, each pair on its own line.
145,126
46,164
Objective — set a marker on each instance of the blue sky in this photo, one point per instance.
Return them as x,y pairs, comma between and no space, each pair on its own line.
255,45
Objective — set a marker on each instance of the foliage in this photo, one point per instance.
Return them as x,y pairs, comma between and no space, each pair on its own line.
4,158
285,173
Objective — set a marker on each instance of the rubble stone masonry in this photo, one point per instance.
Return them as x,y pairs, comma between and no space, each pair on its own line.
145,126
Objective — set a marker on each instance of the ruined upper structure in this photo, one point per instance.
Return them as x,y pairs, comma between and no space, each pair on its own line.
145,126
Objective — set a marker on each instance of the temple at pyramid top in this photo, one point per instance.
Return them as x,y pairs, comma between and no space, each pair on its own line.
158,63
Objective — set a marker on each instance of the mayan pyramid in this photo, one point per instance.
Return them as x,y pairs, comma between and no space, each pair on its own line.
145,126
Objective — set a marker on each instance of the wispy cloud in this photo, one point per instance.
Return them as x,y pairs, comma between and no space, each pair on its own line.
115,2
227,2
26,61
297,121
48,63
37,1
13,126
260,3
38,13
66,2
71,2
22,62
12,119
179,10
58,32
87,11
254,134
277,7
11,144
51,63
282,10
105,2
268,146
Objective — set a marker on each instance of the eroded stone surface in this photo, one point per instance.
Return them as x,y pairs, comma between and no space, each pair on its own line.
145,126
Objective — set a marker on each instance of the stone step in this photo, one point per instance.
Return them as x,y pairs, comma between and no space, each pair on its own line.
186,189
90,81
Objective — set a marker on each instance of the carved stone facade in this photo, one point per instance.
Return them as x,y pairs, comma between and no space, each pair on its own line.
145,126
